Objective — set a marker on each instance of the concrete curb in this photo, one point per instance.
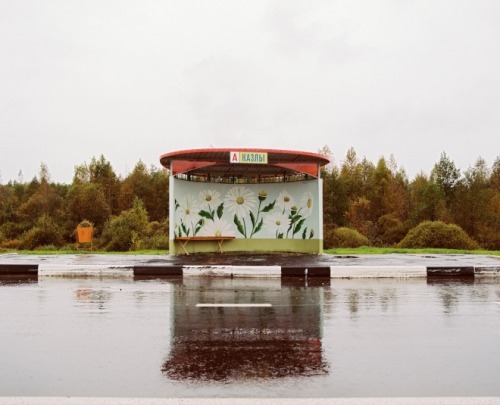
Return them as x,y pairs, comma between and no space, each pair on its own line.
87,270
378,271
333,272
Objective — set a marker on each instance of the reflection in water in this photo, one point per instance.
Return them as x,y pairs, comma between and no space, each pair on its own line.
450,290
359,298
91,296
18,279
353,299
241,343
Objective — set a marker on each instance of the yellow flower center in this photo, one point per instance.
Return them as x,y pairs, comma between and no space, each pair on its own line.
278,222
309,203
208,197
187,211
240,200
286,199
218,233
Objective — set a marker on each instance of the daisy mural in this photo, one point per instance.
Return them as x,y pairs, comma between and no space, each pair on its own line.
209,199
190,221
210,204
246,211
240,200
307,204
217,227
278,223
285,201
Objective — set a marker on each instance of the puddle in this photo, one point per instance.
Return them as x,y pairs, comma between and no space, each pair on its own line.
333,338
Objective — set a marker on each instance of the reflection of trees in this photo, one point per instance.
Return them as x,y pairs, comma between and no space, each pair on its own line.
99,297
449,296
450,290
387,296
369,297
353,300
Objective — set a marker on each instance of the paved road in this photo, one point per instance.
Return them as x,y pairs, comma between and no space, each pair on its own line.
257,259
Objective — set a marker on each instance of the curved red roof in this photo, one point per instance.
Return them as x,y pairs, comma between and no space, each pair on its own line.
216,162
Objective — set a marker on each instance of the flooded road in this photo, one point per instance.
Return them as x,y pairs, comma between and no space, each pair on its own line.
222,337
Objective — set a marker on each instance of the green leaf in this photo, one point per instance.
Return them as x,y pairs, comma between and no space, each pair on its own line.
239,226
220,210
269,207
252,218
304,234
206,214
280,236
259,227
294,218
299,225
199,225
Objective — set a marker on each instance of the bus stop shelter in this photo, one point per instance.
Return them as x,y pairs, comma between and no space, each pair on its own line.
245,200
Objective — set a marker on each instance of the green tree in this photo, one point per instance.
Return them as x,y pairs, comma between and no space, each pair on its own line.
88,201
426,200
335,202
151,186
100,172
446,175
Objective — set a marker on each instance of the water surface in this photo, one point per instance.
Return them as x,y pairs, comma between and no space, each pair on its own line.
344,338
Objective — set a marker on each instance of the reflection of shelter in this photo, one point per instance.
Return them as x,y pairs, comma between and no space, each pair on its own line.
267,199
245,343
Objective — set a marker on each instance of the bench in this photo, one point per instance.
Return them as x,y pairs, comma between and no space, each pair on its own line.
184,240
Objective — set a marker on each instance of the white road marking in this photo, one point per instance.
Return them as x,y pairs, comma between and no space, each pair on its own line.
233,305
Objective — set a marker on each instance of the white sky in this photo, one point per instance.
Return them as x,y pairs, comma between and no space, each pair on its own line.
135,79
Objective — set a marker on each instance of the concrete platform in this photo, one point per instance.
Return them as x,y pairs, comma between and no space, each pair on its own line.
250,401
245,265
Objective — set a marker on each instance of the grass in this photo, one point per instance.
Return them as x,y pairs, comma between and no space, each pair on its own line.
364,250
84,252
368,250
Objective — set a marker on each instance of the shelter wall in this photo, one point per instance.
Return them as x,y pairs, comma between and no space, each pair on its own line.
261,217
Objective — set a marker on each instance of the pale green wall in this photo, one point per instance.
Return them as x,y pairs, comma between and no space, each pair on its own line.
252,245
257,215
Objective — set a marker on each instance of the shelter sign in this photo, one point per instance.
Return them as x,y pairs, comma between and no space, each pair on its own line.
248,157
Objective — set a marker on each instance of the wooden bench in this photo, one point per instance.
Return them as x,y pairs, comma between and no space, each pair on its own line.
184,240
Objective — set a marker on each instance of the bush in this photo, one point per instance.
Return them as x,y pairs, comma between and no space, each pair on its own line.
45,232
124,232
344,237
437,234
390,230
12,244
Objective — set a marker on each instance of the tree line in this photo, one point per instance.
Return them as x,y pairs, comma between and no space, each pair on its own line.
376,200
383,204
128,214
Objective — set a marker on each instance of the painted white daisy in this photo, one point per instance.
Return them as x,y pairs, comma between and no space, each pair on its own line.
277,223
240,200
285,200
307,204
189,208
217,227
209,199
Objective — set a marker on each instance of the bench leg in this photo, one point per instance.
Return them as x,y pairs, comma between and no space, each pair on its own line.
183,245
219,242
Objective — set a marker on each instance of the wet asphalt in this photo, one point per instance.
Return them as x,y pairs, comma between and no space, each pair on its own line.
246,259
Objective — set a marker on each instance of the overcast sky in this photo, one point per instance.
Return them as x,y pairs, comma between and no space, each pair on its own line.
135,79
